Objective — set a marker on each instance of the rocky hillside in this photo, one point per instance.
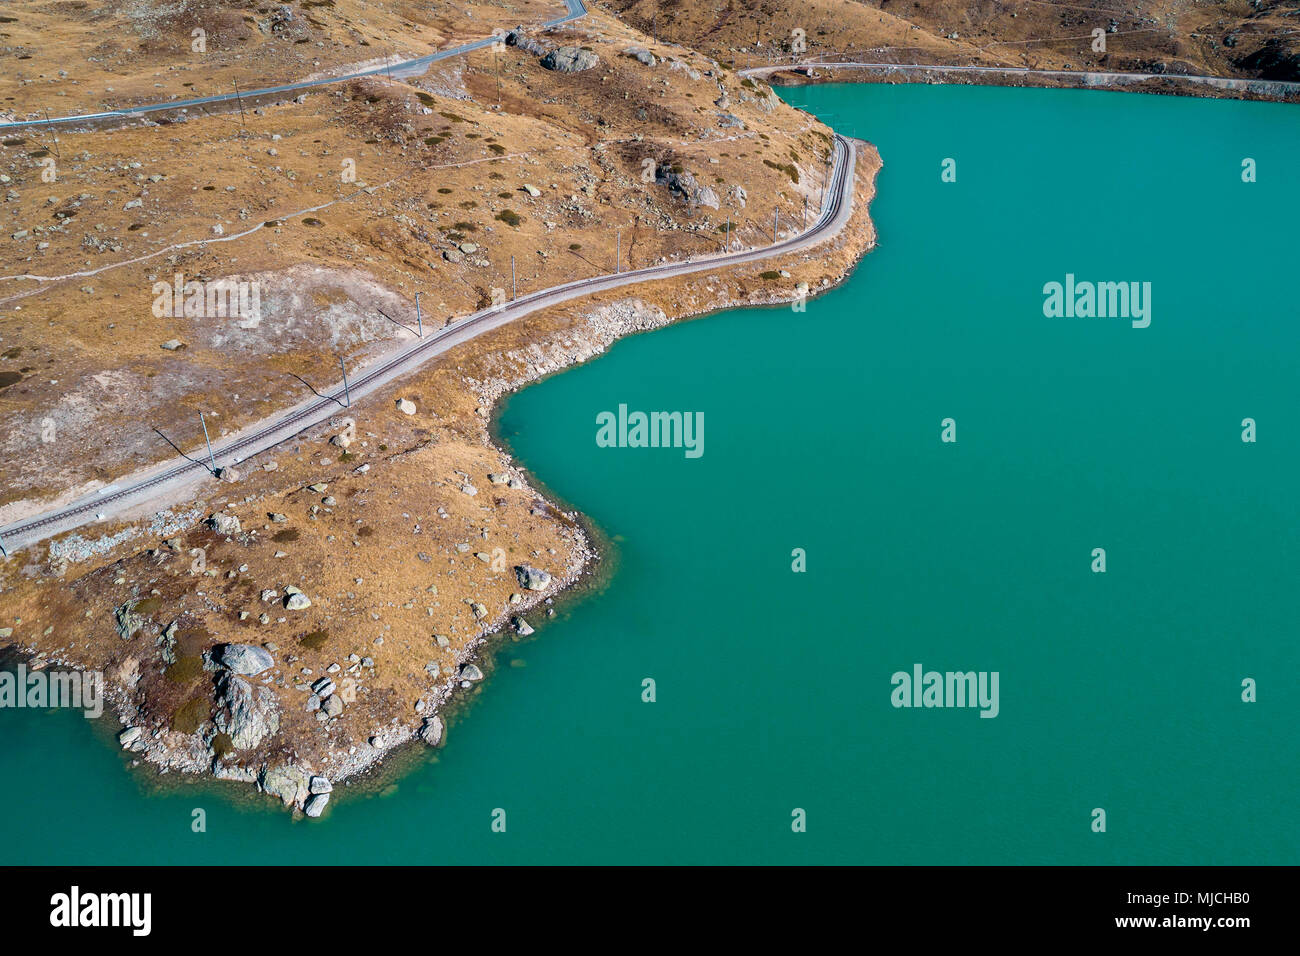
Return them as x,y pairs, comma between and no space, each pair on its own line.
329,600
1238,38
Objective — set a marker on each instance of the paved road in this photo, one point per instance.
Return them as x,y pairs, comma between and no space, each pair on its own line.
575,9
1085,77
160,485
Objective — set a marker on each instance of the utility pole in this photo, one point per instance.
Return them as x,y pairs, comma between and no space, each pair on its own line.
804,224
776,218
240,100
388,70
418,318
212,458
514,287
346,393
54,136
618,251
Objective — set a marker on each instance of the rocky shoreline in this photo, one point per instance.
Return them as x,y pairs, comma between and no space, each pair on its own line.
245,710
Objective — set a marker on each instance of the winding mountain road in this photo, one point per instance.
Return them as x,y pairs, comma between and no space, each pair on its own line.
160,485
574,10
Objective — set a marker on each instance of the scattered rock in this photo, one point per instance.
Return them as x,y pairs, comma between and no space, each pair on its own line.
171,345
406,406
222,523
297,602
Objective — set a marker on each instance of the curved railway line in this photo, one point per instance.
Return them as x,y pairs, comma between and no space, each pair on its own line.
253,439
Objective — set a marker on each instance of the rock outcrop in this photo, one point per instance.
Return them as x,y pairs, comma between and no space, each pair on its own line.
247,714
569,59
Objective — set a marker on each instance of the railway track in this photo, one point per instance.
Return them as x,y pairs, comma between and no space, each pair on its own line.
260,437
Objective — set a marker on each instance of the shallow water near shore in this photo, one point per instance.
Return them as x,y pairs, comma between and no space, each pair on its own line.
1119,691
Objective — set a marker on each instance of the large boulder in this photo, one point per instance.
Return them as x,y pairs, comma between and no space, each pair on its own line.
247,659
431,731
247,714
517,37
297,601
285,781
315,804
222,523
641,55
569,59
531,578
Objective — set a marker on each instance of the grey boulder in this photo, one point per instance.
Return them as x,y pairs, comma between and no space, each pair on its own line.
247,659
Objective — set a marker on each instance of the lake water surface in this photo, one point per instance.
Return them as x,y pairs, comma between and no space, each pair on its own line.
1119,691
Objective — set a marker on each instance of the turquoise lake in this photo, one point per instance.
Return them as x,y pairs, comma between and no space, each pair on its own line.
1119,691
